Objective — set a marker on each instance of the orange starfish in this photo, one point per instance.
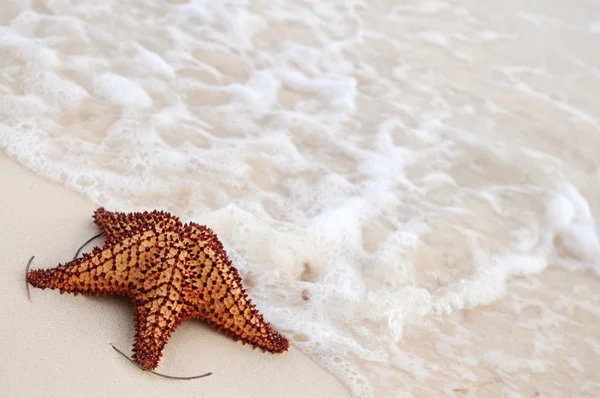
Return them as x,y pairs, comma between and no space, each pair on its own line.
171,272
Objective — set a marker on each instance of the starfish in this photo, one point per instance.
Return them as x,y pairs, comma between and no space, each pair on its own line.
172,272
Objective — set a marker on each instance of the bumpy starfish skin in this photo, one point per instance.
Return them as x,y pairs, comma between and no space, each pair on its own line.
171,272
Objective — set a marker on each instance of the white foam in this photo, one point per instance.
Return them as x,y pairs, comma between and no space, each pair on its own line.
339,94
436,38
433,6
575,228
58,91
511,364
119,90
153,63
12,44
259,93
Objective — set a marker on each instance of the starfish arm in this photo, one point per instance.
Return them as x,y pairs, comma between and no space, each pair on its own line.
160,307
160,298
220,298
105,270
241,321
154,322
237,317
117,225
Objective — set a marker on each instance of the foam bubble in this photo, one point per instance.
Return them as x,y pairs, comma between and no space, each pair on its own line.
336,93
436,38
59,91
433,6
511,364
259,93
154,63
15,45
121,91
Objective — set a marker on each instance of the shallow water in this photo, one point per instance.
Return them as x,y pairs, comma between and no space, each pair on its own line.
392,181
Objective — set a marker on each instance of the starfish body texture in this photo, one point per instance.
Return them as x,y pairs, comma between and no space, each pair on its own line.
172,272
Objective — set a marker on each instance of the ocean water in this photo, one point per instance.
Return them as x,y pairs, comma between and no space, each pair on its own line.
410,190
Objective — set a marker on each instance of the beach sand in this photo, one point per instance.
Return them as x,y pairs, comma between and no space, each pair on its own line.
58,345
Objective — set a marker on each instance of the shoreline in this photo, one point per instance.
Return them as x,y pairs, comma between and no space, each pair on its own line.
58,345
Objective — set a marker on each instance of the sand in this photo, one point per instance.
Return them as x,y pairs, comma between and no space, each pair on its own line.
58,345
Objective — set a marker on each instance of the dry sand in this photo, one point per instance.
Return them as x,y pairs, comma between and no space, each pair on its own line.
58,345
